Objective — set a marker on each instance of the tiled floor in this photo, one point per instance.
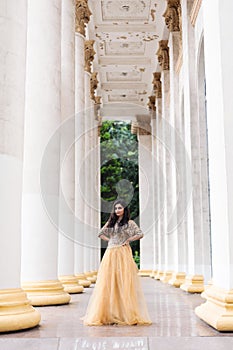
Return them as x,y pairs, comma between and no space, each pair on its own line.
175,325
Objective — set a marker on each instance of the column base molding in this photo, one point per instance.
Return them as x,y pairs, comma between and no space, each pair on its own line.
217,311
43,293
90,276
16,311
144,273
153,273
166,276
159,274
193,284
82,280
71,284
178,278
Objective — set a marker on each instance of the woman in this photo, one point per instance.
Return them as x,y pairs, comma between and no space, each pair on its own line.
118,297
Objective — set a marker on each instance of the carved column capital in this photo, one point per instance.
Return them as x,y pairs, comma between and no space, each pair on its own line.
93,85
157,84
151,103
82,16
163,54
141,126
89,53
172,18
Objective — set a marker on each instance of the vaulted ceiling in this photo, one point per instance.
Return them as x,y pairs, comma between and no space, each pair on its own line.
126,34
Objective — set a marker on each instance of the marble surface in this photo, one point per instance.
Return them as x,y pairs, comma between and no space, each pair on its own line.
175,325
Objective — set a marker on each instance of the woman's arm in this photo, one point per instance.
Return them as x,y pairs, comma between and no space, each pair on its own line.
104,238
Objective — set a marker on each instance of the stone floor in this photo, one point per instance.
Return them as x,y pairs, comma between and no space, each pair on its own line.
175,326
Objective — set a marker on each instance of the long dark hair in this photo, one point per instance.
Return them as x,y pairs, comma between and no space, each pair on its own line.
113,217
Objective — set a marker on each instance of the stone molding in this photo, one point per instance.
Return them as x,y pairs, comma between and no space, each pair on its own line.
157,84
172,15
163,54
82,16
89,54
195,11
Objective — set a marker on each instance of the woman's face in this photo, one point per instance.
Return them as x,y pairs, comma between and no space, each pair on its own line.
119,210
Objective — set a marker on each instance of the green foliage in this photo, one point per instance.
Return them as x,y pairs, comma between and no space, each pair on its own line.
119,163
136,258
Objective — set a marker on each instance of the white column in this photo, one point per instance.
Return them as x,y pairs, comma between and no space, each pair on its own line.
67,155
197,251
146,203
166,138
79,150
79,160
41,155
87,168
217,311
16,312
160,179
176,175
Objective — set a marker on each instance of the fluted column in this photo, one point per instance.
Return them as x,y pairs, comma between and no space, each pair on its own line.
82,11
198,240
163,59
16,311
176,174
217,310
41,155
146,197
67,158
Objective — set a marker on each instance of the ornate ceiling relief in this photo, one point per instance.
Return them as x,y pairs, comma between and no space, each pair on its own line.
163,54
157,84
124,48
89,54
124,76
82,16
126,9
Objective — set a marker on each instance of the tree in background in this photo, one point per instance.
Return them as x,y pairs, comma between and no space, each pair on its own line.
119,168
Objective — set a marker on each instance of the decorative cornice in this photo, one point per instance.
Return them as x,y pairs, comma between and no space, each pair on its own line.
172,18
82,16
163,54
194,11
157,84
89,53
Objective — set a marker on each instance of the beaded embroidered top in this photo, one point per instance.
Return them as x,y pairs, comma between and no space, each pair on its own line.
119,234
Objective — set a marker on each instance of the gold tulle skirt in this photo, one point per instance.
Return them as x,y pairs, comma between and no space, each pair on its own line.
117,297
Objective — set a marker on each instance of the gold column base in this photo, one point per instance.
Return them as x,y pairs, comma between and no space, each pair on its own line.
16,312
193,284
178,278
217,311
43,293
153,273
90,276
82,280
71,285
144,273
166,276
159,275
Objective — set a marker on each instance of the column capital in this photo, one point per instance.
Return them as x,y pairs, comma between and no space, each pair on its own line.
163,54
151,103
157,84
93,85
172,15
89,53
82,15
141,126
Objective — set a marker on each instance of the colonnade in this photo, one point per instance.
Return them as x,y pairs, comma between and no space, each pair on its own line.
189,127
49,158
49,125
